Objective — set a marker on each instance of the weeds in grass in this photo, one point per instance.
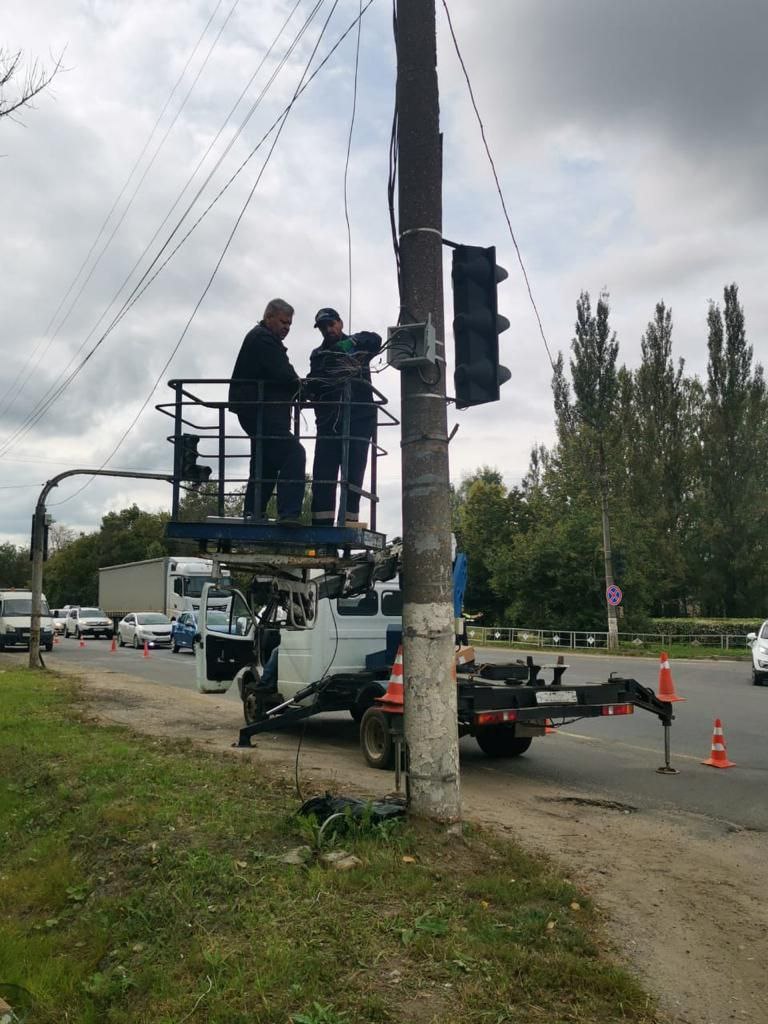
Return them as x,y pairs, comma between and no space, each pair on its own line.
141,883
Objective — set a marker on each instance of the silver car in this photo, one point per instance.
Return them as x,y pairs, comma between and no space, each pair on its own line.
93,622
138,628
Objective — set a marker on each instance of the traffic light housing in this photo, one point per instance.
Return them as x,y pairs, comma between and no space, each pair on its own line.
188,456
477,325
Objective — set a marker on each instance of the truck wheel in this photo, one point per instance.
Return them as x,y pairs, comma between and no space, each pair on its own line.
175,648
136,641
49,647
758,679
376,739
77,632
500,741
257,702
120,642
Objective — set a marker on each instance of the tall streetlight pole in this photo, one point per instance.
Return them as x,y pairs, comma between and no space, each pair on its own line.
428,626
38,546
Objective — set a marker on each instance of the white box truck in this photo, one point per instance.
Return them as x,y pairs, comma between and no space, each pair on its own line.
168,585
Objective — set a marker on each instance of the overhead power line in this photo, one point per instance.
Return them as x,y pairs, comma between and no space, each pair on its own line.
498,183
304,82
57,389
39,353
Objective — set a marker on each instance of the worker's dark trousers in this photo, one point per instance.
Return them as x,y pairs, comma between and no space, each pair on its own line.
283,461
327,468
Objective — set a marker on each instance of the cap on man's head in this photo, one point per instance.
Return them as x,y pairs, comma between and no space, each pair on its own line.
326,315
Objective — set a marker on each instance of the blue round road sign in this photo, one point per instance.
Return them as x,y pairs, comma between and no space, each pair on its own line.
614,595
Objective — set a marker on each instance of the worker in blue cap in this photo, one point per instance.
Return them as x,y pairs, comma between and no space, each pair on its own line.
341,359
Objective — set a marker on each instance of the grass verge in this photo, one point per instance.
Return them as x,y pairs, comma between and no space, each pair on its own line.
142,881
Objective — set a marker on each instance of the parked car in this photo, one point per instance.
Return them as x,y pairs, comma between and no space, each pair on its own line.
59,616
184,629
759,644
138,628
88,622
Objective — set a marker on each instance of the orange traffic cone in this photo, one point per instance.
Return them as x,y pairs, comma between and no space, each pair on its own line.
549,728
393,698
56,638
146,649
719,756
666,685
82,642
114,645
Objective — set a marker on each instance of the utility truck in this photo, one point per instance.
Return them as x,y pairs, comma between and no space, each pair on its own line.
169,585
329,643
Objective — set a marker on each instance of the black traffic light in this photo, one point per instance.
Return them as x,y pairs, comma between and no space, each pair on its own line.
477,325
188,467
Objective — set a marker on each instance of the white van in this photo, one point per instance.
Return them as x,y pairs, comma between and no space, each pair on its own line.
346,632
16,620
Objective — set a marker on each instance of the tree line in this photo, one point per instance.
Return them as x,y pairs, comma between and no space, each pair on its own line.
674,466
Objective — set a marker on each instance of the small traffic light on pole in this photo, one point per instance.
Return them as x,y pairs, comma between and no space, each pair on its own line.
477,325
188,456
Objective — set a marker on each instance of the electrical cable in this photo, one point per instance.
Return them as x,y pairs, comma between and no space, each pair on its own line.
139,289
498,183
392,178
346,163
48,399
323,676
35,358
223,253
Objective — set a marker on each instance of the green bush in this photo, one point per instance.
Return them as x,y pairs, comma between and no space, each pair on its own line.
704,627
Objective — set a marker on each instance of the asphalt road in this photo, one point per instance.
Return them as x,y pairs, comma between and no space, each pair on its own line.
608,759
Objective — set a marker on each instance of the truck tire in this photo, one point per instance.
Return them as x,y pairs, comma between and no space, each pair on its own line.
49,647
500,741
120,642
758,678
376,739
256,702
136,641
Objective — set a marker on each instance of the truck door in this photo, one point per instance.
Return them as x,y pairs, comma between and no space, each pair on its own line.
227,647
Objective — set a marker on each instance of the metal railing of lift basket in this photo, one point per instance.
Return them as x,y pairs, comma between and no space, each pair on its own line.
205,418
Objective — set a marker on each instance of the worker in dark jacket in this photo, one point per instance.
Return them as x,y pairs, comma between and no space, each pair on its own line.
277,457
341,359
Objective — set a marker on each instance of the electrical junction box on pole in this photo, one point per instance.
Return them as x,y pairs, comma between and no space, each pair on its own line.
412,345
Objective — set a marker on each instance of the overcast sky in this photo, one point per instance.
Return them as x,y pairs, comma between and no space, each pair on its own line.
631,140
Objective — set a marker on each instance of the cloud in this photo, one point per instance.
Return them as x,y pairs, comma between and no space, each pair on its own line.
630,141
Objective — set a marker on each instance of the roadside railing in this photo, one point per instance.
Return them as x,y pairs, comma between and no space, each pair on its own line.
574,639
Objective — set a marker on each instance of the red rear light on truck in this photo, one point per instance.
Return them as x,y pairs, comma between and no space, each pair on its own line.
618,709
495,717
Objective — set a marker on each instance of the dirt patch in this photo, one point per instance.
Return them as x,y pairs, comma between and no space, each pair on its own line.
683,896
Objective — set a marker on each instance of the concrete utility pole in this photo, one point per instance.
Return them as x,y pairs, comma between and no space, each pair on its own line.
38,544
428,636
613,622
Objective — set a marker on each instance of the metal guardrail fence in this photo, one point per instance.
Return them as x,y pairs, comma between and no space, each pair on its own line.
574,639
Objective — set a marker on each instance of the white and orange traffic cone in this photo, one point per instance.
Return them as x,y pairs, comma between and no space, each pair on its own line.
666,684
719,756
393,698
146,649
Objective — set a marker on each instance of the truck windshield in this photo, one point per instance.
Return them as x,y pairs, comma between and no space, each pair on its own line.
22,606
193,585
